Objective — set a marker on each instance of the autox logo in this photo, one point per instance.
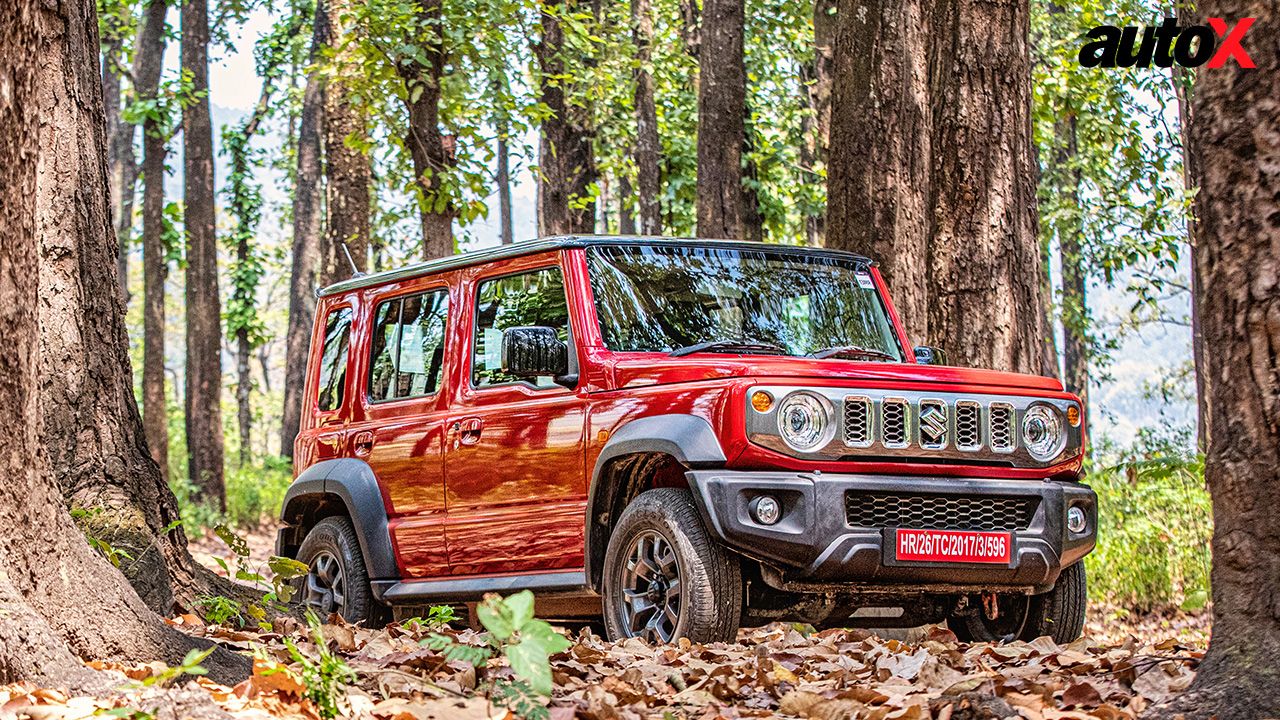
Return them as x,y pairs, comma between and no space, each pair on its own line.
1216,43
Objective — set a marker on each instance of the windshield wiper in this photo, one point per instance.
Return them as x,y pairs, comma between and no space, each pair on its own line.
852,350
745,345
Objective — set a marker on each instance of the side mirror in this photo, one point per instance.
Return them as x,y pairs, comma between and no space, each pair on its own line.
926,355
529,352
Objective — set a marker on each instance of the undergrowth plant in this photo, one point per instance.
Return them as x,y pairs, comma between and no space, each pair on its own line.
1155,521
325,678
526,642
276,585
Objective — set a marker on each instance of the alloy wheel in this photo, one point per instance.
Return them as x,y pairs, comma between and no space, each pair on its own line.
651,589
325,590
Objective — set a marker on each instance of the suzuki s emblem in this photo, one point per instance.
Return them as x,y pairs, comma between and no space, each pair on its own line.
933,426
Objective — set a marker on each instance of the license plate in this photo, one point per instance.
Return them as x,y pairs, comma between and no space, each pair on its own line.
953,546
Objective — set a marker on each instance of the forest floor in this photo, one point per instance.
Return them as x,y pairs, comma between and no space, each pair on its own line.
1126,662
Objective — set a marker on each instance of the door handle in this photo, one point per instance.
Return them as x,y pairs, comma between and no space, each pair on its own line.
362,443
466,431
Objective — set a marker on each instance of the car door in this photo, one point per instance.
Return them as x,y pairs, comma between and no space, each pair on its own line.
514,448
402,433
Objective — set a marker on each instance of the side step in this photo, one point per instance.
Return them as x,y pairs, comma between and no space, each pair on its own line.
460,589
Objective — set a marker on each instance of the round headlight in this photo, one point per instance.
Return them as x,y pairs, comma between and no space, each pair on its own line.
804,422
1043,432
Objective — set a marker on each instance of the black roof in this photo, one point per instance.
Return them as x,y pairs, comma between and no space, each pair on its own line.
530,247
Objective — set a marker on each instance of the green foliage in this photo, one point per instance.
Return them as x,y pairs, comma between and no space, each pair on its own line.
326,677
1111,161
1155,523
254,492
276,584
190,666
437,616
527,643
220,609
89,522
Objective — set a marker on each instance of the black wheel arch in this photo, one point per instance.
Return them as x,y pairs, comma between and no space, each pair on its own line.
645,453
344,486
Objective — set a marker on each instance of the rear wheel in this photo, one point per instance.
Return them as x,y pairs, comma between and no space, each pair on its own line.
337,581
1058,613
665,577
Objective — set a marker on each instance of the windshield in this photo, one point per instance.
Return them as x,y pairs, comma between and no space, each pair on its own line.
667,298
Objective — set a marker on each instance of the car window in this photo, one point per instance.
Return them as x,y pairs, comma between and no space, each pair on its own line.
333,358
533,298
407,353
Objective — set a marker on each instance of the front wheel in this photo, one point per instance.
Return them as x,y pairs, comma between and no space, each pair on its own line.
1058,613
665,577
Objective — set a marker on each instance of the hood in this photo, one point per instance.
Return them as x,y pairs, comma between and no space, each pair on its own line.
642,369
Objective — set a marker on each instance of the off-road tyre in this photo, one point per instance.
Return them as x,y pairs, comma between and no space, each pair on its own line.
1058,613
710,597
334,538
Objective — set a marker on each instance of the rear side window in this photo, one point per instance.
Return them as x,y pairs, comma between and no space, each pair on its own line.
533,298
407,353
333,358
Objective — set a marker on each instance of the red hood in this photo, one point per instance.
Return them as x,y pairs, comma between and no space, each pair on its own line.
639,369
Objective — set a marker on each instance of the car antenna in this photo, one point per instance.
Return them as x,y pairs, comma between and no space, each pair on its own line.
355,271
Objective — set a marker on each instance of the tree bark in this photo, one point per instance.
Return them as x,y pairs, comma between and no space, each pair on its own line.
879,200
59,601
306,253
648,151
817,77
506,228
722,97
1236,134
566,160
121,163
155,264
204,306
626,207
984,252
347,170
1066,177
432,157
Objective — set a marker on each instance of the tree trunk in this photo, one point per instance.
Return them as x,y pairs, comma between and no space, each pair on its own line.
204,306
347,170
58,599
878,170
121,163
306,251
433,160
1181,80
722,98
505,226
155,264
984,253
626,205
1237,265
648,152
1066,177
566,160
816,126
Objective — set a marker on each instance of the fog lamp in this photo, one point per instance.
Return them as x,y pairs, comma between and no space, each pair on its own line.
766,510
1077,521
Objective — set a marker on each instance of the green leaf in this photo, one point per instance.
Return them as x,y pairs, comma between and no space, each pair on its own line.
521,607
495,616
529,661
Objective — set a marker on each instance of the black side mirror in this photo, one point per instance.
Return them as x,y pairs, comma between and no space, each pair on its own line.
926,355
529,352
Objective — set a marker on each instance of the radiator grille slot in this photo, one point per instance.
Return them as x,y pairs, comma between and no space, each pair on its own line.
1002,437
968,425
893,423
857,421
939,512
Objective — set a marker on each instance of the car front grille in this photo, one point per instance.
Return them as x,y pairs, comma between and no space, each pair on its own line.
939,512
895,423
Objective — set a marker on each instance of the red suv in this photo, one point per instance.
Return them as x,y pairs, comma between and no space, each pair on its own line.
679,436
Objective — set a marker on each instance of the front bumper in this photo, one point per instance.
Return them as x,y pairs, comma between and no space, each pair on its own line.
814,547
